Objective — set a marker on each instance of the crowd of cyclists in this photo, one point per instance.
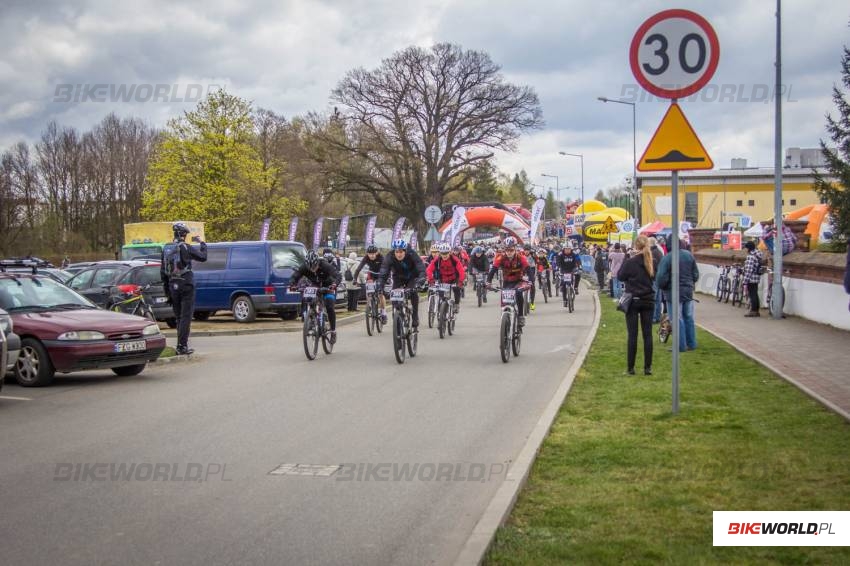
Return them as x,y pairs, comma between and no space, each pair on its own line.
523,267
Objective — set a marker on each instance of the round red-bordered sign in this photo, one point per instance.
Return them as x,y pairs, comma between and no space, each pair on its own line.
674,53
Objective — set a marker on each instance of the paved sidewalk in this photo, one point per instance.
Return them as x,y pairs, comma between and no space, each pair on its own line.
814,357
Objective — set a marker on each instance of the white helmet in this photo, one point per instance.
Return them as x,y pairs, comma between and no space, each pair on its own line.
444,248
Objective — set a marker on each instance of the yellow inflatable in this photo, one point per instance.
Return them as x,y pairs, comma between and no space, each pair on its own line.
596,217
590,207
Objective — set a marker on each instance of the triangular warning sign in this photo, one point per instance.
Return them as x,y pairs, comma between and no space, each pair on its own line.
674,146
609,226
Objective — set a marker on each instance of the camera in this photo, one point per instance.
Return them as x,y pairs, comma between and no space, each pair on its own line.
196,238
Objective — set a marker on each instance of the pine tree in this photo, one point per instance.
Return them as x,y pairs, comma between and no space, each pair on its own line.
837,194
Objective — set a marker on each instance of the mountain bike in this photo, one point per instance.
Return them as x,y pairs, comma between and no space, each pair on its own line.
510,332
738,286
769,295
724,285
374,320
545,284
432,305
481,288
130,300
445,309
569,292
405,337
316,326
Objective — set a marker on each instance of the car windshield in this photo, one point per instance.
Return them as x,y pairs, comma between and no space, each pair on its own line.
38,294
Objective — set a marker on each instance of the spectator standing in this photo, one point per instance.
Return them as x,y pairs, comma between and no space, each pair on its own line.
178,280
637,274
657,254
600,265
688,276
615,262
752,275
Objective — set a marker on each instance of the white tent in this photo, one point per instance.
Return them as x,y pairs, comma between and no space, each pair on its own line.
756,231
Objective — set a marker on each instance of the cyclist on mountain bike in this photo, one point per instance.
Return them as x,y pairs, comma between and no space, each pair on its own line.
447,268
461,254
407,271
321,273
568,262
479,262
372,262
542,264
515,270
532,264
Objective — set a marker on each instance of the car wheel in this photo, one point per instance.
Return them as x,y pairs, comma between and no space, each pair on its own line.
125,371
33,368
202,315
243,309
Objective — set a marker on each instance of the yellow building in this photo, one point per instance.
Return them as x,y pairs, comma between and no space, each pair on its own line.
707,197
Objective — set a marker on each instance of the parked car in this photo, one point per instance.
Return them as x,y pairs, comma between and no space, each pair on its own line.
105,282
13,344
62,331
249,277
17,265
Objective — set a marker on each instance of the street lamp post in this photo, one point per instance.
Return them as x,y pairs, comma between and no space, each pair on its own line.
634,153
557,185
580,156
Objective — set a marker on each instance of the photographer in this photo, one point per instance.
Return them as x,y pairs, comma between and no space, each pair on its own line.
179,281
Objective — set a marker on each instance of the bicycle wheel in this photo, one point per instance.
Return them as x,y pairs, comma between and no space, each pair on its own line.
545,291
479,291
412,342
148,314
516,342
378,317
771,299
571,299
371,320
736,295
311,335
432,310
398,337
442,318
505,337
327,344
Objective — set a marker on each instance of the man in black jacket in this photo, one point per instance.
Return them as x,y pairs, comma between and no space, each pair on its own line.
407,271
178,281
320,273
688,276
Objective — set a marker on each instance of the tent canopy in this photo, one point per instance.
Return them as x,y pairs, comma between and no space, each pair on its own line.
651,228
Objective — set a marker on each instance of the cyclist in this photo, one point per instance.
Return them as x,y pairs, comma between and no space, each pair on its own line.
407,271
447,268
435,251
461,254
542,264
568,262
529,256
372,261
515,270
321,273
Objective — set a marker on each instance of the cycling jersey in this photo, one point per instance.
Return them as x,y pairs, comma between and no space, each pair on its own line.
542,264
449,270
567,263
373,266
481,263
513,269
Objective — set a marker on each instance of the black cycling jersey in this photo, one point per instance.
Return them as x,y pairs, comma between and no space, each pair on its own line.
325,276
567,263
373,266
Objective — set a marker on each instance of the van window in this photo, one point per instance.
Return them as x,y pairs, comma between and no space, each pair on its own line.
247,258
216,259
287,257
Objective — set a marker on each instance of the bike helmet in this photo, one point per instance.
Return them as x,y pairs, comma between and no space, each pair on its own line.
510,242
541,251
399,245
180,230
477,250
312,259
444,248
373,249
491,253
435,247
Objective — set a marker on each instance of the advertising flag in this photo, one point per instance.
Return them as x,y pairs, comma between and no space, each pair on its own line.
293,226
343,232
370,230
264,232
317,232
399,224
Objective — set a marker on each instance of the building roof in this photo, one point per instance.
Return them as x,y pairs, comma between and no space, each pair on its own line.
747,175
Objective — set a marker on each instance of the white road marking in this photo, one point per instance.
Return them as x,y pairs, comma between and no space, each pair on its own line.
15,398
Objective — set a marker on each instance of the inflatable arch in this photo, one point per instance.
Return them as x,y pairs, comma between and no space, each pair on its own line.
488,216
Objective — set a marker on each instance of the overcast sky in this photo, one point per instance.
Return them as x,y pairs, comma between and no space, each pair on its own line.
287,55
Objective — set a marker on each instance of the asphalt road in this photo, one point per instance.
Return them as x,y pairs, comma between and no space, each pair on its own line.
455,415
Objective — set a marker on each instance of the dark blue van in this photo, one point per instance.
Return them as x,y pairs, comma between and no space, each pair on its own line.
247,278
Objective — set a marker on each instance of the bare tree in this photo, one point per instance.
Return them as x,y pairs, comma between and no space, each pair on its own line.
413,130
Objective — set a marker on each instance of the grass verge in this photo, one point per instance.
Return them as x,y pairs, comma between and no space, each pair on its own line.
622,480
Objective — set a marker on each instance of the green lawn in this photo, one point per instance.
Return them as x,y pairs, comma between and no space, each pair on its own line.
622,480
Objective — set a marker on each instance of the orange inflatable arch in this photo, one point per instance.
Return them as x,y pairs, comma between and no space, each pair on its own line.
488,216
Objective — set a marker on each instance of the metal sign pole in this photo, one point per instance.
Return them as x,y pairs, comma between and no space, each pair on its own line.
675,294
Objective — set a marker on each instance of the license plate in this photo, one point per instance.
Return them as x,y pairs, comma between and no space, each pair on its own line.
134,346
159,300
397,295
310,292
445,287
509,297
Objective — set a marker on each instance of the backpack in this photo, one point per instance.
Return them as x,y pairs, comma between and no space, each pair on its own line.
174,266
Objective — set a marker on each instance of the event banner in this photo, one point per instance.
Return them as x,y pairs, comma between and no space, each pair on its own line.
457,221
317,232
536,215
399,224
293,226
264,231
413,241
343,232
369,238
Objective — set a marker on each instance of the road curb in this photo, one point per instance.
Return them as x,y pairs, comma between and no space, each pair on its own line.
249,331
500,507
176,359
758,359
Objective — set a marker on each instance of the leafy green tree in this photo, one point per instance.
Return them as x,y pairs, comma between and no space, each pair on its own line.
837,194
207,168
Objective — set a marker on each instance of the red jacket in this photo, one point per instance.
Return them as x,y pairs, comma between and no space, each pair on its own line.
450,270
512,270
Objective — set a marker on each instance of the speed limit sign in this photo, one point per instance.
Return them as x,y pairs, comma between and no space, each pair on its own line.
674,53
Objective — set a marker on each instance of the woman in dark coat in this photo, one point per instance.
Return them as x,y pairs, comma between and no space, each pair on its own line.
637,274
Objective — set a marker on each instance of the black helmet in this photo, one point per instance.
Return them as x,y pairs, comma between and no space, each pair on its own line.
312,259
180,230
373,249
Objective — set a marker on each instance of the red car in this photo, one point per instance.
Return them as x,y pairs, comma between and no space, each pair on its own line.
62,331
